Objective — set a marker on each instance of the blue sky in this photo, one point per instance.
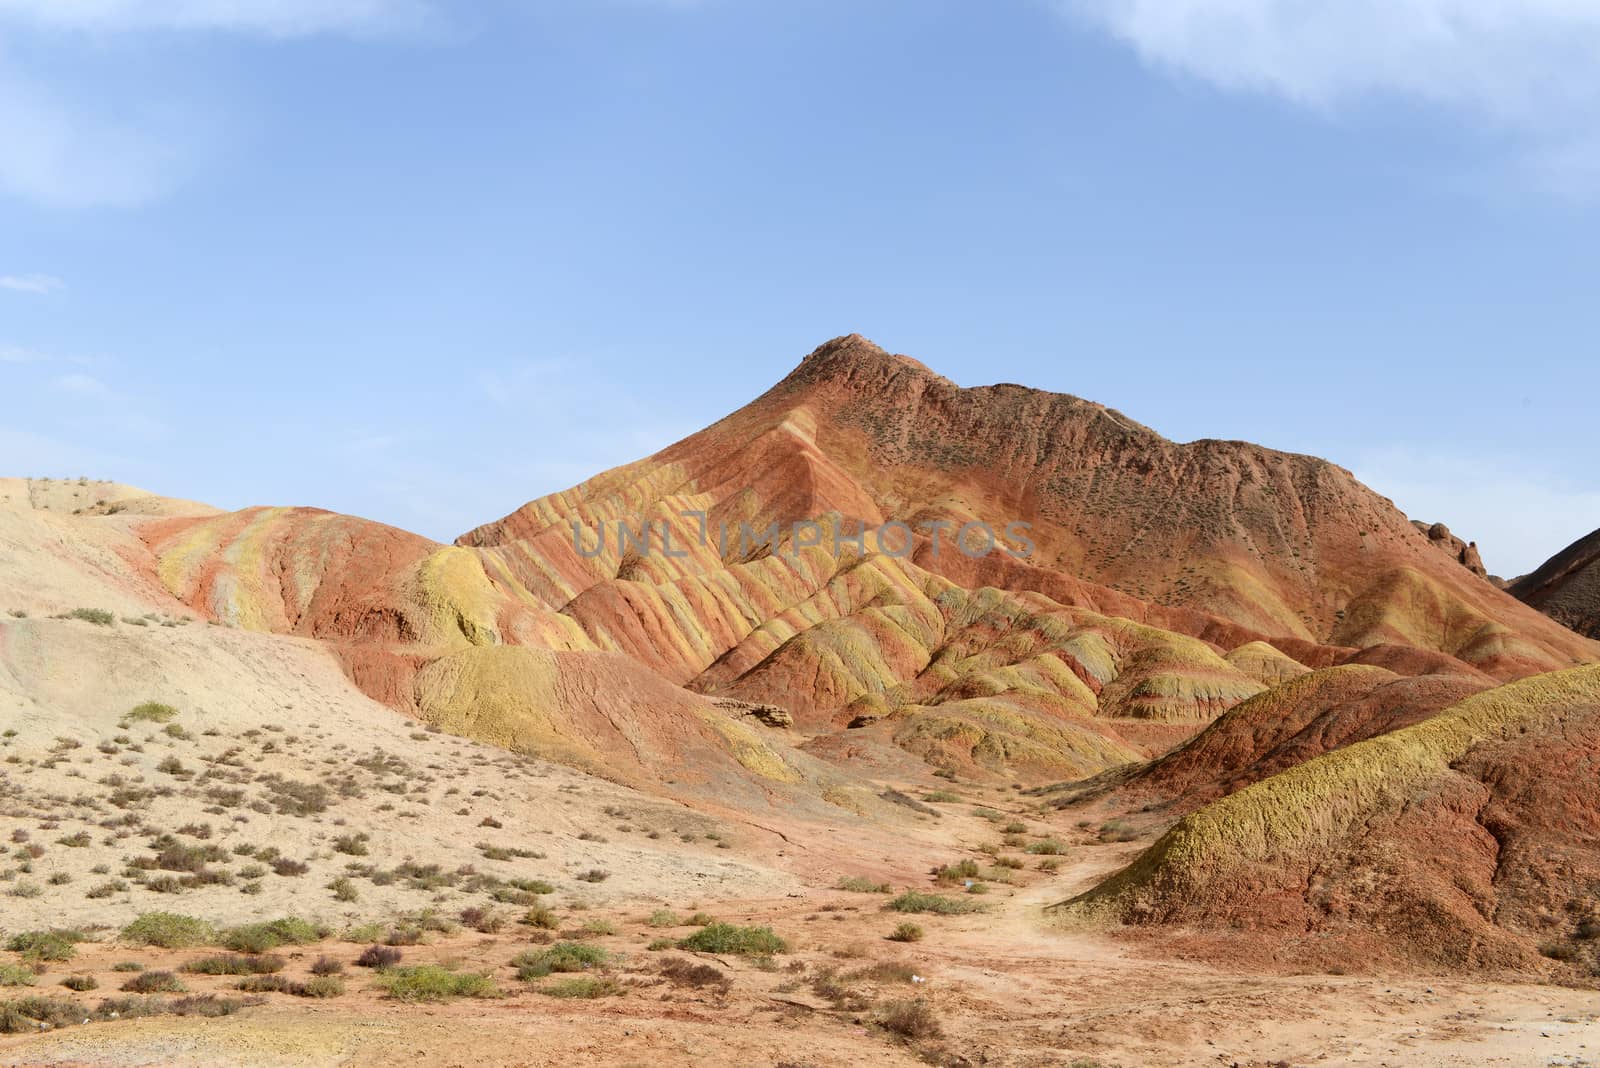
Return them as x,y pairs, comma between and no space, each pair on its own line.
424,260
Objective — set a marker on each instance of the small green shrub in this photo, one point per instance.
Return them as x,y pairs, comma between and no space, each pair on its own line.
858,885
430,982
561,957
16,975
910,1019
321,986
378,957
168,930
352,845
98,616
917,901
54,945
728,938
957,872
582,986
906,932
268,984
80,983
154,983
236,964
152,712
261,937
1117,831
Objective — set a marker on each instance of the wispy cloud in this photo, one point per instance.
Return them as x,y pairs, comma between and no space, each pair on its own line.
87,385
18,354
1531,68
76,154
74,150
277,18
37,284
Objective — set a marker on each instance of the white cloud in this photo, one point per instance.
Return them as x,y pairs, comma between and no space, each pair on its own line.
63,154
1510,57
17,354
1518,513
116,149
1531,68
276,18
38,284
81,383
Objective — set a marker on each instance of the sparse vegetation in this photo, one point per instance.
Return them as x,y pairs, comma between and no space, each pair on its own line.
98,616
379,957
431,982
917,901
684,972
582,986
151,712
168,930
16,975
956,873
728,938
858,885
1118,831
561,957
154,983
910,1019
53,945
236,964
261,937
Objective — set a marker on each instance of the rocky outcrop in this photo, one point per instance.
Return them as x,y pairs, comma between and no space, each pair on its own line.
767,715
1464,553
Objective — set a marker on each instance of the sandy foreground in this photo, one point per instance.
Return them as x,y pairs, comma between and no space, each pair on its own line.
1005,988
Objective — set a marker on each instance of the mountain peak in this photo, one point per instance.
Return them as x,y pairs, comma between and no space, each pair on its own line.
853,356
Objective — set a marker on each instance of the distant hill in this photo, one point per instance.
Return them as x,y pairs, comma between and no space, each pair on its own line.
1567,587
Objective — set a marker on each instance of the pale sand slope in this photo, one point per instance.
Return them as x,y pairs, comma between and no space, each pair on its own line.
54,561
282,706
